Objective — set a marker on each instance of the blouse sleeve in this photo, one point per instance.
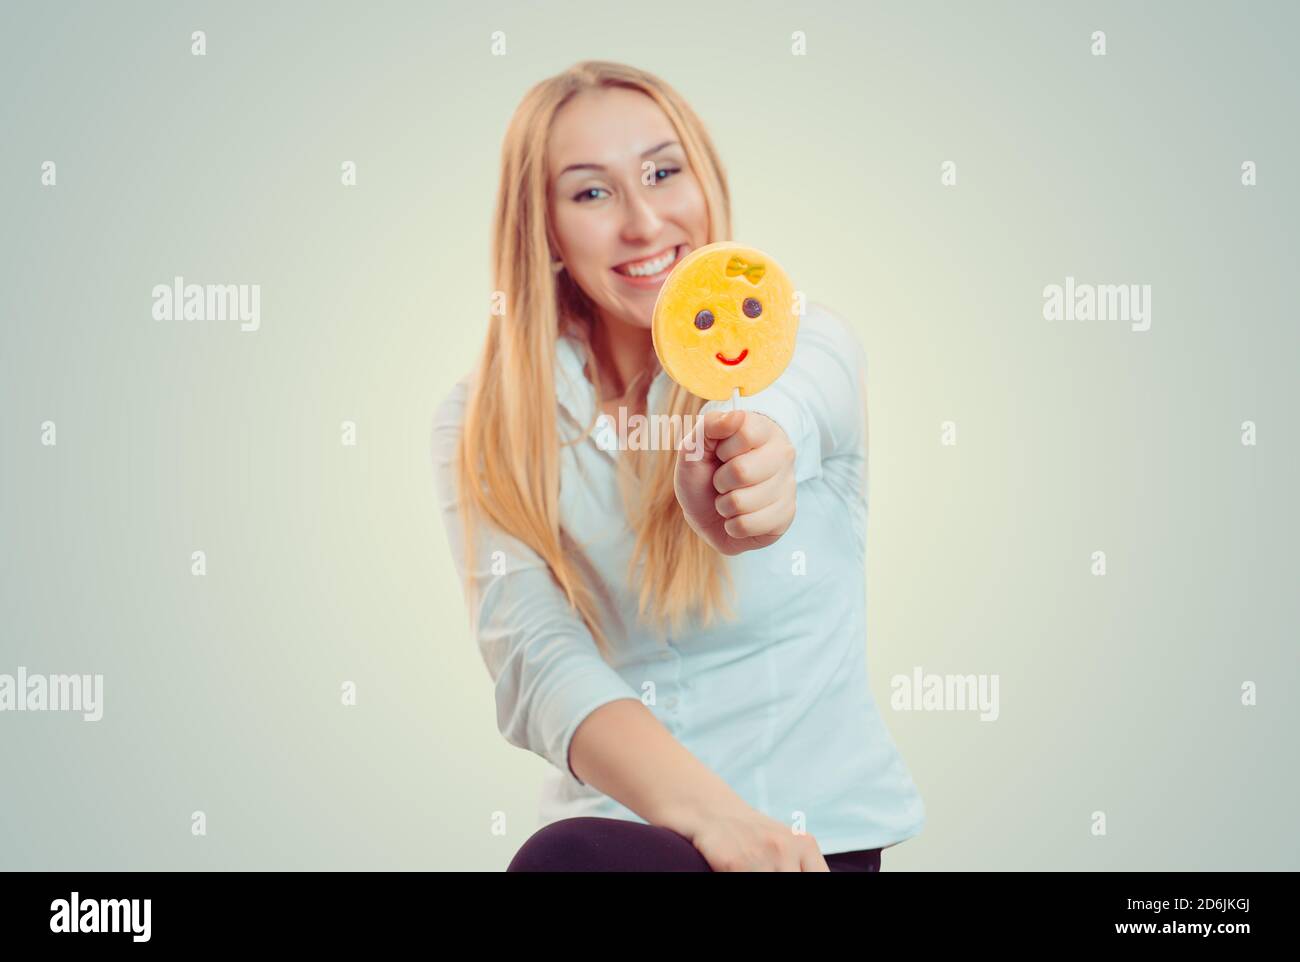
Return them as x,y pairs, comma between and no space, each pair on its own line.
820,398
541,656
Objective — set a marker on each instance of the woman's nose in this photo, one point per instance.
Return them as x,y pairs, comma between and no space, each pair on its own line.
640,218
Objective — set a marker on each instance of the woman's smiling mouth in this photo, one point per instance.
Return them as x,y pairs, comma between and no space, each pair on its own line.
650,271
732,360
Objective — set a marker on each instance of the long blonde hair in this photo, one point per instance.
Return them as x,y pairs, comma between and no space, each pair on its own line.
509,464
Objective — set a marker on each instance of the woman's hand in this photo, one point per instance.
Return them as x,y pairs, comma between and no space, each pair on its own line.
745,840
735,480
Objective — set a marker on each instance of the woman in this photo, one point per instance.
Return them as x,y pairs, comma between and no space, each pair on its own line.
664,626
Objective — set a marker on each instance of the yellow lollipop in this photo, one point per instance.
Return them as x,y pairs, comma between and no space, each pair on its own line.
724,321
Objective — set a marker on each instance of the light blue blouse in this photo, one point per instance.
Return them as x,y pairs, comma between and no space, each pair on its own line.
776,702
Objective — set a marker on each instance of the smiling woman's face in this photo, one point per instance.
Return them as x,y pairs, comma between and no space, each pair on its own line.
620,224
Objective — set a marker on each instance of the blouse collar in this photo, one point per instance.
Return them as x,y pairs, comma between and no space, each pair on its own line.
577,395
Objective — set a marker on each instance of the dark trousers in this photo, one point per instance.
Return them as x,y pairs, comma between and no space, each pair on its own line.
591,844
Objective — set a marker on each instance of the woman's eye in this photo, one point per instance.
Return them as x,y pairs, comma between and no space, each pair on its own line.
586,194
752,307
666,172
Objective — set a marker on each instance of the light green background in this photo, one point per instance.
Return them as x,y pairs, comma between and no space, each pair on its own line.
328,563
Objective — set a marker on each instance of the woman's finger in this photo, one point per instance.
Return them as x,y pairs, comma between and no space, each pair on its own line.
751,467
755,431
813,860
749,499
770,520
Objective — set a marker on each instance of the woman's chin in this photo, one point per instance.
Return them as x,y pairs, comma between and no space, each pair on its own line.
634,312
643,321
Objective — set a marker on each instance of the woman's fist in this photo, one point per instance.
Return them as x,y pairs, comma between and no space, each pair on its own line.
735,480
749,841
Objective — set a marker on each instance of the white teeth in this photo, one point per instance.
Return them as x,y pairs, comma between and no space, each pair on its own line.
653,267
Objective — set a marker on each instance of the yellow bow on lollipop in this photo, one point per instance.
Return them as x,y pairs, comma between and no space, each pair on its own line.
753,272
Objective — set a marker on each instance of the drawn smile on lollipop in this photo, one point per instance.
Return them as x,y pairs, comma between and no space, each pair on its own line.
732,360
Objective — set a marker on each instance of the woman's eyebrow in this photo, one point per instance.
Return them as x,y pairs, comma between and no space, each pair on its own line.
653,150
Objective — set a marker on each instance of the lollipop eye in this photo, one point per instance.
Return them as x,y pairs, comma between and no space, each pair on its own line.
752,307
704,320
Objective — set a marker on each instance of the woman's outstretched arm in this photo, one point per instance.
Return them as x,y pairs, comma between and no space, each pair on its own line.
738,473
820,399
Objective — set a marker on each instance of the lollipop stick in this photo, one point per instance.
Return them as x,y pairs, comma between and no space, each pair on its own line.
735,397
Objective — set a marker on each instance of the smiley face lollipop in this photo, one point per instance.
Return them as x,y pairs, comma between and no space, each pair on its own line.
724,321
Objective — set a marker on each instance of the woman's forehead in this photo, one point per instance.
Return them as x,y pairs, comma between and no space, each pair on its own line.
611,127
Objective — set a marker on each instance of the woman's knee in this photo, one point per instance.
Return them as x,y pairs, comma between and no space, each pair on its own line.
596,844
566,845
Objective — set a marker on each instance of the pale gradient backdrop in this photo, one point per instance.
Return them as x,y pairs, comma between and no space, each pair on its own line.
328,563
